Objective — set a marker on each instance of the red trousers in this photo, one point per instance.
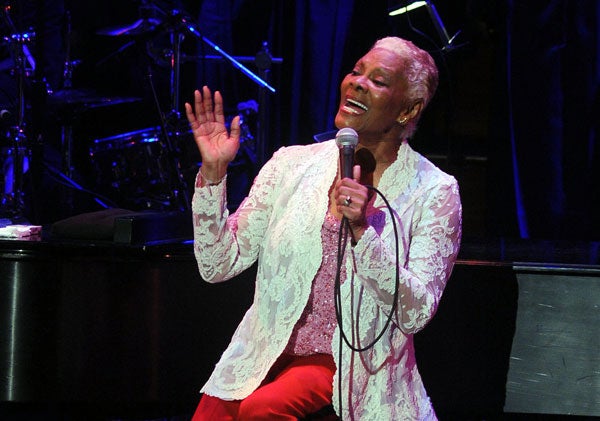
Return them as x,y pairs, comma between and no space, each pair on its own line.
294,388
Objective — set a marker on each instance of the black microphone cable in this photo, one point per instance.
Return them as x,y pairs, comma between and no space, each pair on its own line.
344,232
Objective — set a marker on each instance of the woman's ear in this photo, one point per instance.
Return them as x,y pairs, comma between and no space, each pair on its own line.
411,112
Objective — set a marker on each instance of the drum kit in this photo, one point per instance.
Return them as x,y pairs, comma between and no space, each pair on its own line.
150,168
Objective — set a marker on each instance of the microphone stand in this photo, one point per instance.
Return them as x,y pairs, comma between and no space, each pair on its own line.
186,22
180,24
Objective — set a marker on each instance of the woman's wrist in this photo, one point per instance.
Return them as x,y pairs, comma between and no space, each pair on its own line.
211,178
357,233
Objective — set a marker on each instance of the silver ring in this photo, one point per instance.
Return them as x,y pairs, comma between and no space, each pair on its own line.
347,201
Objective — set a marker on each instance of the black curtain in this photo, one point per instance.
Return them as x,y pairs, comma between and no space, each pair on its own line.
542,134
318,41
321,31
545,136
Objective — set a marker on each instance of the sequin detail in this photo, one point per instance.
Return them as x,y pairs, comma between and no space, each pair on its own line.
314,330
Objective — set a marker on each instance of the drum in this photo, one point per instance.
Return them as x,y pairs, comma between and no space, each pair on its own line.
137,172
132,165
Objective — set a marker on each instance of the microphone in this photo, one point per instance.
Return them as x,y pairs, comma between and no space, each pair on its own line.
346,140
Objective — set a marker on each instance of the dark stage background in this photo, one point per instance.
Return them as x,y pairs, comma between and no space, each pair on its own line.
515,118
124,326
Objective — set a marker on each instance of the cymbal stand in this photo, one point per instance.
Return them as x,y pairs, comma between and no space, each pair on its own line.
263,61
181,24
186,24
67,125
68,64
18,152
176,39
68,115
169,124
176,179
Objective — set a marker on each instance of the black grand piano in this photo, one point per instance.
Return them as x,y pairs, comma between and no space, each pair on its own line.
125,328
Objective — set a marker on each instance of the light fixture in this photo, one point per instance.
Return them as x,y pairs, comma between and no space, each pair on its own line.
400,10
433,14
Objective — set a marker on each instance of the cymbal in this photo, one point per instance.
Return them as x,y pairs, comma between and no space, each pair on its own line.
139,27
86,98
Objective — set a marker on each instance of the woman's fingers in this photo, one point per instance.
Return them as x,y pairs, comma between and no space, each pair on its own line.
206,104
207,122
219,115
235,130
356,173
200,104
189,113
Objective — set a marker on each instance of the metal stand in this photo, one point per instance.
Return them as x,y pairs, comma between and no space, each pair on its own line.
263,62
69,104
169,123
179,25
18,153
160,18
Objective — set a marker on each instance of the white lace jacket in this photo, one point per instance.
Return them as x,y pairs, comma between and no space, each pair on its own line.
279,223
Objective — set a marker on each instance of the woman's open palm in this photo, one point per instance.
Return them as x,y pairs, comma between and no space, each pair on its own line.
217,146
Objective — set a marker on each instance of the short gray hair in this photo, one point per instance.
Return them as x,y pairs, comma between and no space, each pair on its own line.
420,70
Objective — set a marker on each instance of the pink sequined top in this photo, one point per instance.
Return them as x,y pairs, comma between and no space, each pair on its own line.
314,331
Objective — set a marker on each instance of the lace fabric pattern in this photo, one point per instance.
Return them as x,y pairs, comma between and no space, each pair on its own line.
428,212
313,333
280,225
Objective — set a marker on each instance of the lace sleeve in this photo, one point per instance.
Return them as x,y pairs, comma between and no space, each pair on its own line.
429,250
226,245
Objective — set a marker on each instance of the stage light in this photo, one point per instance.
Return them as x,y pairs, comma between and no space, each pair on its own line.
447,41
400,10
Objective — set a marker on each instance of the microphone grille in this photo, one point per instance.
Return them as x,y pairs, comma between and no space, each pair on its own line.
346,137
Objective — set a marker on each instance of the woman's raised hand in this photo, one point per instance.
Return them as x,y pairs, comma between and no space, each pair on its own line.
217,146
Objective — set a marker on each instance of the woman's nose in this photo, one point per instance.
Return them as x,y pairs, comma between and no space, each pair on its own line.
359,83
